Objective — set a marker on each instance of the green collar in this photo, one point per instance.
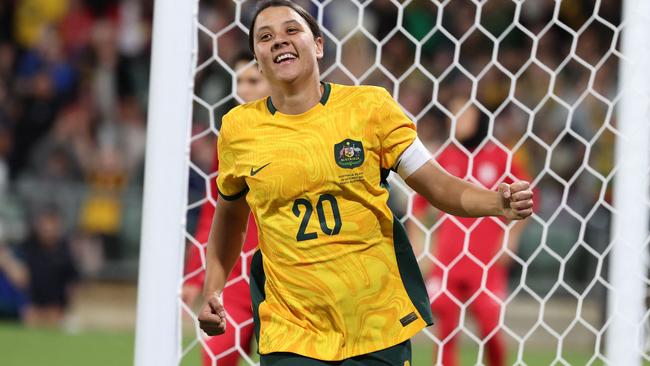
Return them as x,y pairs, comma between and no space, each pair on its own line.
327,88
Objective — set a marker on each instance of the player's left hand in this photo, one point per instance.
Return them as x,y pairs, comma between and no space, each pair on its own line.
517,200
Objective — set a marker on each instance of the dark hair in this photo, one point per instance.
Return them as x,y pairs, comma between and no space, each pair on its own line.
311,21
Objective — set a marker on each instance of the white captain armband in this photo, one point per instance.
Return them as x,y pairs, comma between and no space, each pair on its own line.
412,159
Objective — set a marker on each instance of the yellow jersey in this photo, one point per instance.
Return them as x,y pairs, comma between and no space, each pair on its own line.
335,276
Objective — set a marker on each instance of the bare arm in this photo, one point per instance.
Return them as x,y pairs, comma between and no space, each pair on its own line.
225,242
460,198
224,245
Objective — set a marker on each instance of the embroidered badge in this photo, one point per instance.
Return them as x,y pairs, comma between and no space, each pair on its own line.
348,154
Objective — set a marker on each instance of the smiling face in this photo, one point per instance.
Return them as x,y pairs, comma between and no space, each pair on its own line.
284,46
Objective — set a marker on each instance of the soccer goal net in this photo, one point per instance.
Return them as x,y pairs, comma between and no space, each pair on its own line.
559,90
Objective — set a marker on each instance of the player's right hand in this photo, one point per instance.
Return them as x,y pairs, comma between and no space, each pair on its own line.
212,317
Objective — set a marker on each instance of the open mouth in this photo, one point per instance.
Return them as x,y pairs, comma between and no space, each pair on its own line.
285,58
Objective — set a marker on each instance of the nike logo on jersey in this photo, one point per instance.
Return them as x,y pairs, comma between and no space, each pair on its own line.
255,171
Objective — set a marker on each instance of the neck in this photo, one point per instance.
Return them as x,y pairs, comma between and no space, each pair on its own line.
297,98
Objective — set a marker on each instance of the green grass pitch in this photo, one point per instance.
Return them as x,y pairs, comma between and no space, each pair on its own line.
30,347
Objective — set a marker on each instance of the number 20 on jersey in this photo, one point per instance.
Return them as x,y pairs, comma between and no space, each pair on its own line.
308,208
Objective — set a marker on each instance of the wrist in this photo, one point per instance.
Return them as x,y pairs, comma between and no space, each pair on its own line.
208,292
502,205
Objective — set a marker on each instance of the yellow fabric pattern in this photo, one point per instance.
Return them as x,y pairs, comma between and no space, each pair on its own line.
333,288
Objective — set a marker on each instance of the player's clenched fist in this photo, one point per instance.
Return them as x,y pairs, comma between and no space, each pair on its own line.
517,199
212,317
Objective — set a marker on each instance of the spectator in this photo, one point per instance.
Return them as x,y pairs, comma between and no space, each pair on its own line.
32,17
39,109
102,209
52,271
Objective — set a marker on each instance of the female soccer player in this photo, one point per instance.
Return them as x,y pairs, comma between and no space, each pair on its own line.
335,278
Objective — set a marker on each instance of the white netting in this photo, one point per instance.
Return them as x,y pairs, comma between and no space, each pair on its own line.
544,73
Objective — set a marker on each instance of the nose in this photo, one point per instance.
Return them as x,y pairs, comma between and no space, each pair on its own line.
278,43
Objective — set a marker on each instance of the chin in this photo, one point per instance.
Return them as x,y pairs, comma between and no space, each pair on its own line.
288,73
286,77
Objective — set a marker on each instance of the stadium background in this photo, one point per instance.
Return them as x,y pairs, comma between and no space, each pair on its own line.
73,97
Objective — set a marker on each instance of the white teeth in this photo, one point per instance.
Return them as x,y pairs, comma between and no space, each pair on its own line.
284,56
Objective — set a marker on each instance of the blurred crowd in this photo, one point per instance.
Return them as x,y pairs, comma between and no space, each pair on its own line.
73,96
73,92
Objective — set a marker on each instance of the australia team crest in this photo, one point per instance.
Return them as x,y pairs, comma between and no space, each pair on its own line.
348,153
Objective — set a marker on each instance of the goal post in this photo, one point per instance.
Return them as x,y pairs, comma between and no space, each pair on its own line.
574,104
629,259
158,333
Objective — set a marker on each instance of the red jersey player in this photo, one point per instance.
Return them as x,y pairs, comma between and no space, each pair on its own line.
466,249
236,296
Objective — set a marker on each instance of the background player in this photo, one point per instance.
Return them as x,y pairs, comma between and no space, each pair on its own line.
464,277
251,85
345,286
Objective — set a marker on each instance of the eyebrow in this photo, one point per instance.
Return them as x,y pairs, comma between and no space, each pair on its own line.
269,27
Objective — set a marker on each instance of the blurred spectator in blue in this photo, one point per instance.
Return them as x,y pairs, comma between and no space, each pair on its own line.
49,57
52,272
14,282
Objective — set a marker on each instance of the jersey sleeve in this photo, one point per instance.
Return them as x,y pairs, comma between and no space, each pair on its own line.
230,184
396,131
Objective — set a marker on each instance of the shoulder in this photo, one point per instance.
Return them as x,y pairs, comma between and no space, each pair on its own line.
359,90
243,115
246,110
